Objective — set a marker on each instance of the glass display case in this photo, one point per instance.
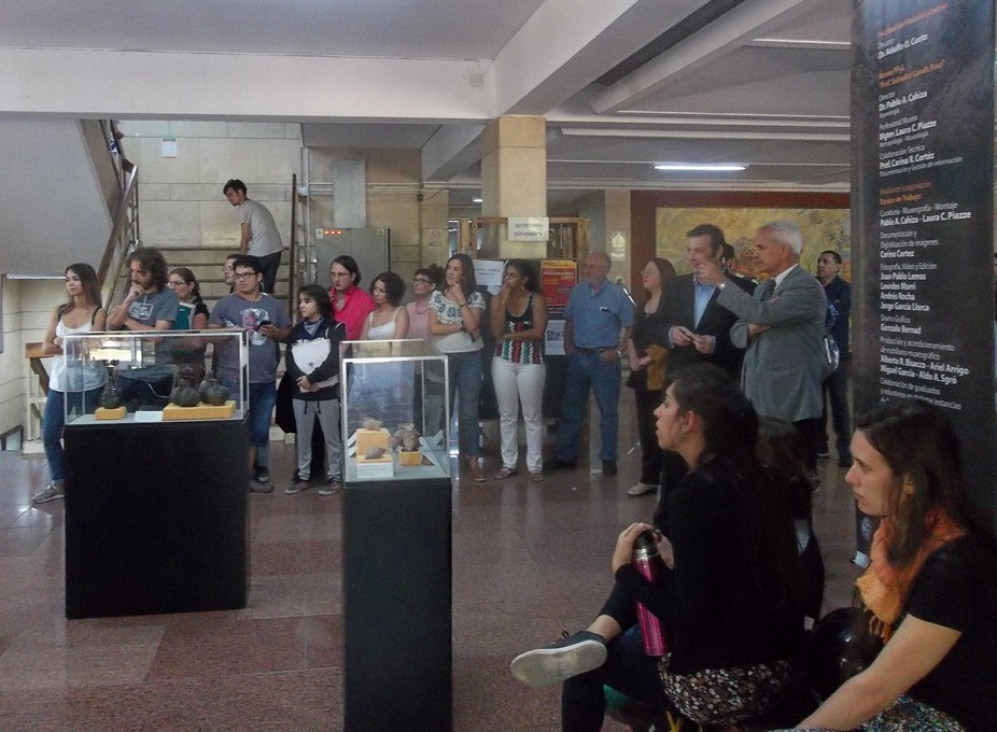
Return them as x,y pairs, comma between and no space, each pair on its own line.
123,377
396,404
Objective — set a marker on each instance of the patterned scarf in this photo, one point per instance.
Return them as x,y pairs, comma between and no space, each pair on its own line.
883,586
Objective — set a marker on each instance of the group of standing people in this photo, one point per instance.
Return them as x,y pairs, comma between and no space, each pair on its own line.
689,319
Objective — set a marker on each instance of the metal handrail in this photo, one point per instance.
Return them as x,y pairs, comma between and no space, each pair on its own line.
124,234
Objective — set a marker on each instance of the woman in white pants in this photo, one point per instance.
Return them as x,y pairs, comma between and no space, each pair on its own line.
519,321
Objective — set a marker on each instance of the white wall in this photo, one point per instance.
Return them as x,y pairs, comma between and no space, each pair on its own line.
181,203
27,307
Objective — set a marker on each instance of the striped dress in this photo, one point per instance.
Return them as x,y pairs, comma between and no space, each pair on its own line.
527,352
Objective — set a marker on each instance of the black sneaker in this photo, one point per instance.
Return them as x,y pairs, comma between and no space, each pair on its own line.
256,487
570,656
609,467
261,474
557,463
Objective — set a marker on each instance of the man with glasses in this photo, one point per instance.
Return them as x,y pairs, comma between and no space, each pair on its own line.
350,304
596,330
266,323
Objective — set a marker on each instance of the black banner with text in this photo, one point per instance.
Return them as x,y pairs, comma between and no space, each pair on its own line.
923,162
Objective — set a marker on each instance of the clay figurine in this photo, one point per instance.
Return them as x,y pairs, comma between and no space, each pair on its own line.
185,395
406,436
213,392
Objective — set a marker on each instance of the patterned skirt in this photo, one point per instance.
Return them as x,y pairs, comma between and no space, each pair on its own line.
906,715
725,695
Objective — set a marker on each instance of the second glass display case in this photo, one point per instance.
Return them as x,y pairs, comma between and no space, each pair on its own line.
396,405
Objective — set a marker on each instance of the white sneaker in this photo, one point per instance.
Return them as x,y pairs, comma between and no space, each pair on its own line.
570,656
51,493
640,489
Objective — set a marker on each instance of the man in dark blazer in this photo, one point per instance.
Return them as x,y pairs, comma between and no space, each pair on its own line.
697,327
696,330
782,327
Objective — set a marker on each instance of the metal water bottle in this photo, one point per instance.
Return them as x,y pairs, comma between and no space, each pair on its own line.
649,563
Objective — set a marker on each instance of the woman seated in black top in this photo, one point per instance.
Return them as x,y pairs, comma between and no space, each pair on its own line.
728,600
931,587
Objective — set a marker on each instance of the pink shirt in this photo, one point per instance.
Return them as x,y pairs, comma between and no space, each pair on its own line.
418,321
356,304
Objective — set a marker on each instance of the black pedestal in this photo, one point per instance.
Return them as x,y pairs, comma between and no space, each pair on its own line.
396,595
156,518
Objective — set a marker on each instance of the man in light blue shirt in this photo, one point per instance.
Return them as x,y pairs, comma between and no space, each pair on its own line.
597,329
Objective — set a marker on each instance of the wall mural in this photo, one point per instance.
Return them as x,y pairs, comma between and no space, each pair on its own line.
823,228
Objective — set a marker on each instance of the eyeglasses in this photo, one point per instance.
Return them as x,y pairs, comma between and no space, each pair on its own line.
244,275
421,281
176,283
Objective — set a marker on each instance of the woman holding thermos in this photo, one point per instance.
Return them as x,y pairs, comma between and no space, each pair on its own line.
728,597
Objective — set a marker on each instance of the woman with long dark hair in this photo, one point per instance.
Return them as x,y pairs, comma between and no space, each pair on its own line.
728,600
647,351
519,324
70,381
931,588
312,358
455,322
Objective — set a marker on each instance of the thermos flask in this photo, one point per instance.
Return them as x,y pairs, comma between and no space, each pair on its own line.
649,563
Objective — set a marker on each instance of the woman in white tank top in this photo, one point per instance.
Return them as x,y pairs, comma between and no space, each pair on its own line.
82,313
389,320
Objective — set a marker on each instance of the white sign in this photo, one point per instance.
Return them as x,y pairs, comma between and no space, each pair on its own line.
528,228
488,274
169,147
554,340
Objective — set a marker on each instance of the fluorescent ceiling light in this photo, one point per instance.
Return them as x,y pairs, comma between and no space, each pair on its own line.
801,43
477,200
706,167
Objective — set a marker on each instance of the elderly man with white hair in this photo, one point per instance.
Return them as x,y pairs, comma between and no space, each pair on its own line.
781,326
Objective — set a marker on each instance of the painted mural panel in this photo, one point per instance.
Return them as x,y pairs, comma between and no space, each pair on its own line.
822,229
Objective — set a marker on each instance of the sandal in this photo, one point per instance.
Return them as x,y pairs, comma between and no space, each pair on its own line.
505,473
537,477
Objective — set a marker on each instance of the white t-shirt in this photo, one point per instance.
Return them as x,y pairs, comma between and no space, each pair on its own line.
264,238
448,313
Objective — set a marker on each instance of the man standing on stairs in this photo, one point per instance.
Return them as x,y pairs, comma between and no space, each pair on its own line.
260,237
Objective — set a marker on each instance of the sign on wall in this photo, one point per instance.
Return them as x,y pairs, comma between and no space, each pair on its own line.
923,124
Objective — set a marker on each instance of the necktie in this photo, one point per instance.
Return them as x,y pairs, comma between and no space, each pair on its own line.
767,290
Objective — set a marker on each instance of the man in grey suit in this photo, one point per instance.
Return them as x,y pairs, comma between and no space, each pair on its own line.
781,326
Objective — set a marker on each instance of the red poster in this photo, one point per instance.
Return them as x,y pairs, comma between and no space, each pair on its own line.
557,277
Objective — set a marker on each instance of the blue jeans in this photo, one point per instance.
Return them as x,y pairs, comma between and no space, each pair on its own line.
262,397
588,371
54,420
465,377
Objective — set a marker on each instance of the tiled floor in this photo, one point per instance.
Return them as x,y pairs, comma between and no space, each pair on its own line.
529,560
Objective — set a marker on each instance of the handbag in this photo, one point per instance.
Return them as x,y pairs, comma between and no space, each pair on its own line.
656,369
841,646
309,355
